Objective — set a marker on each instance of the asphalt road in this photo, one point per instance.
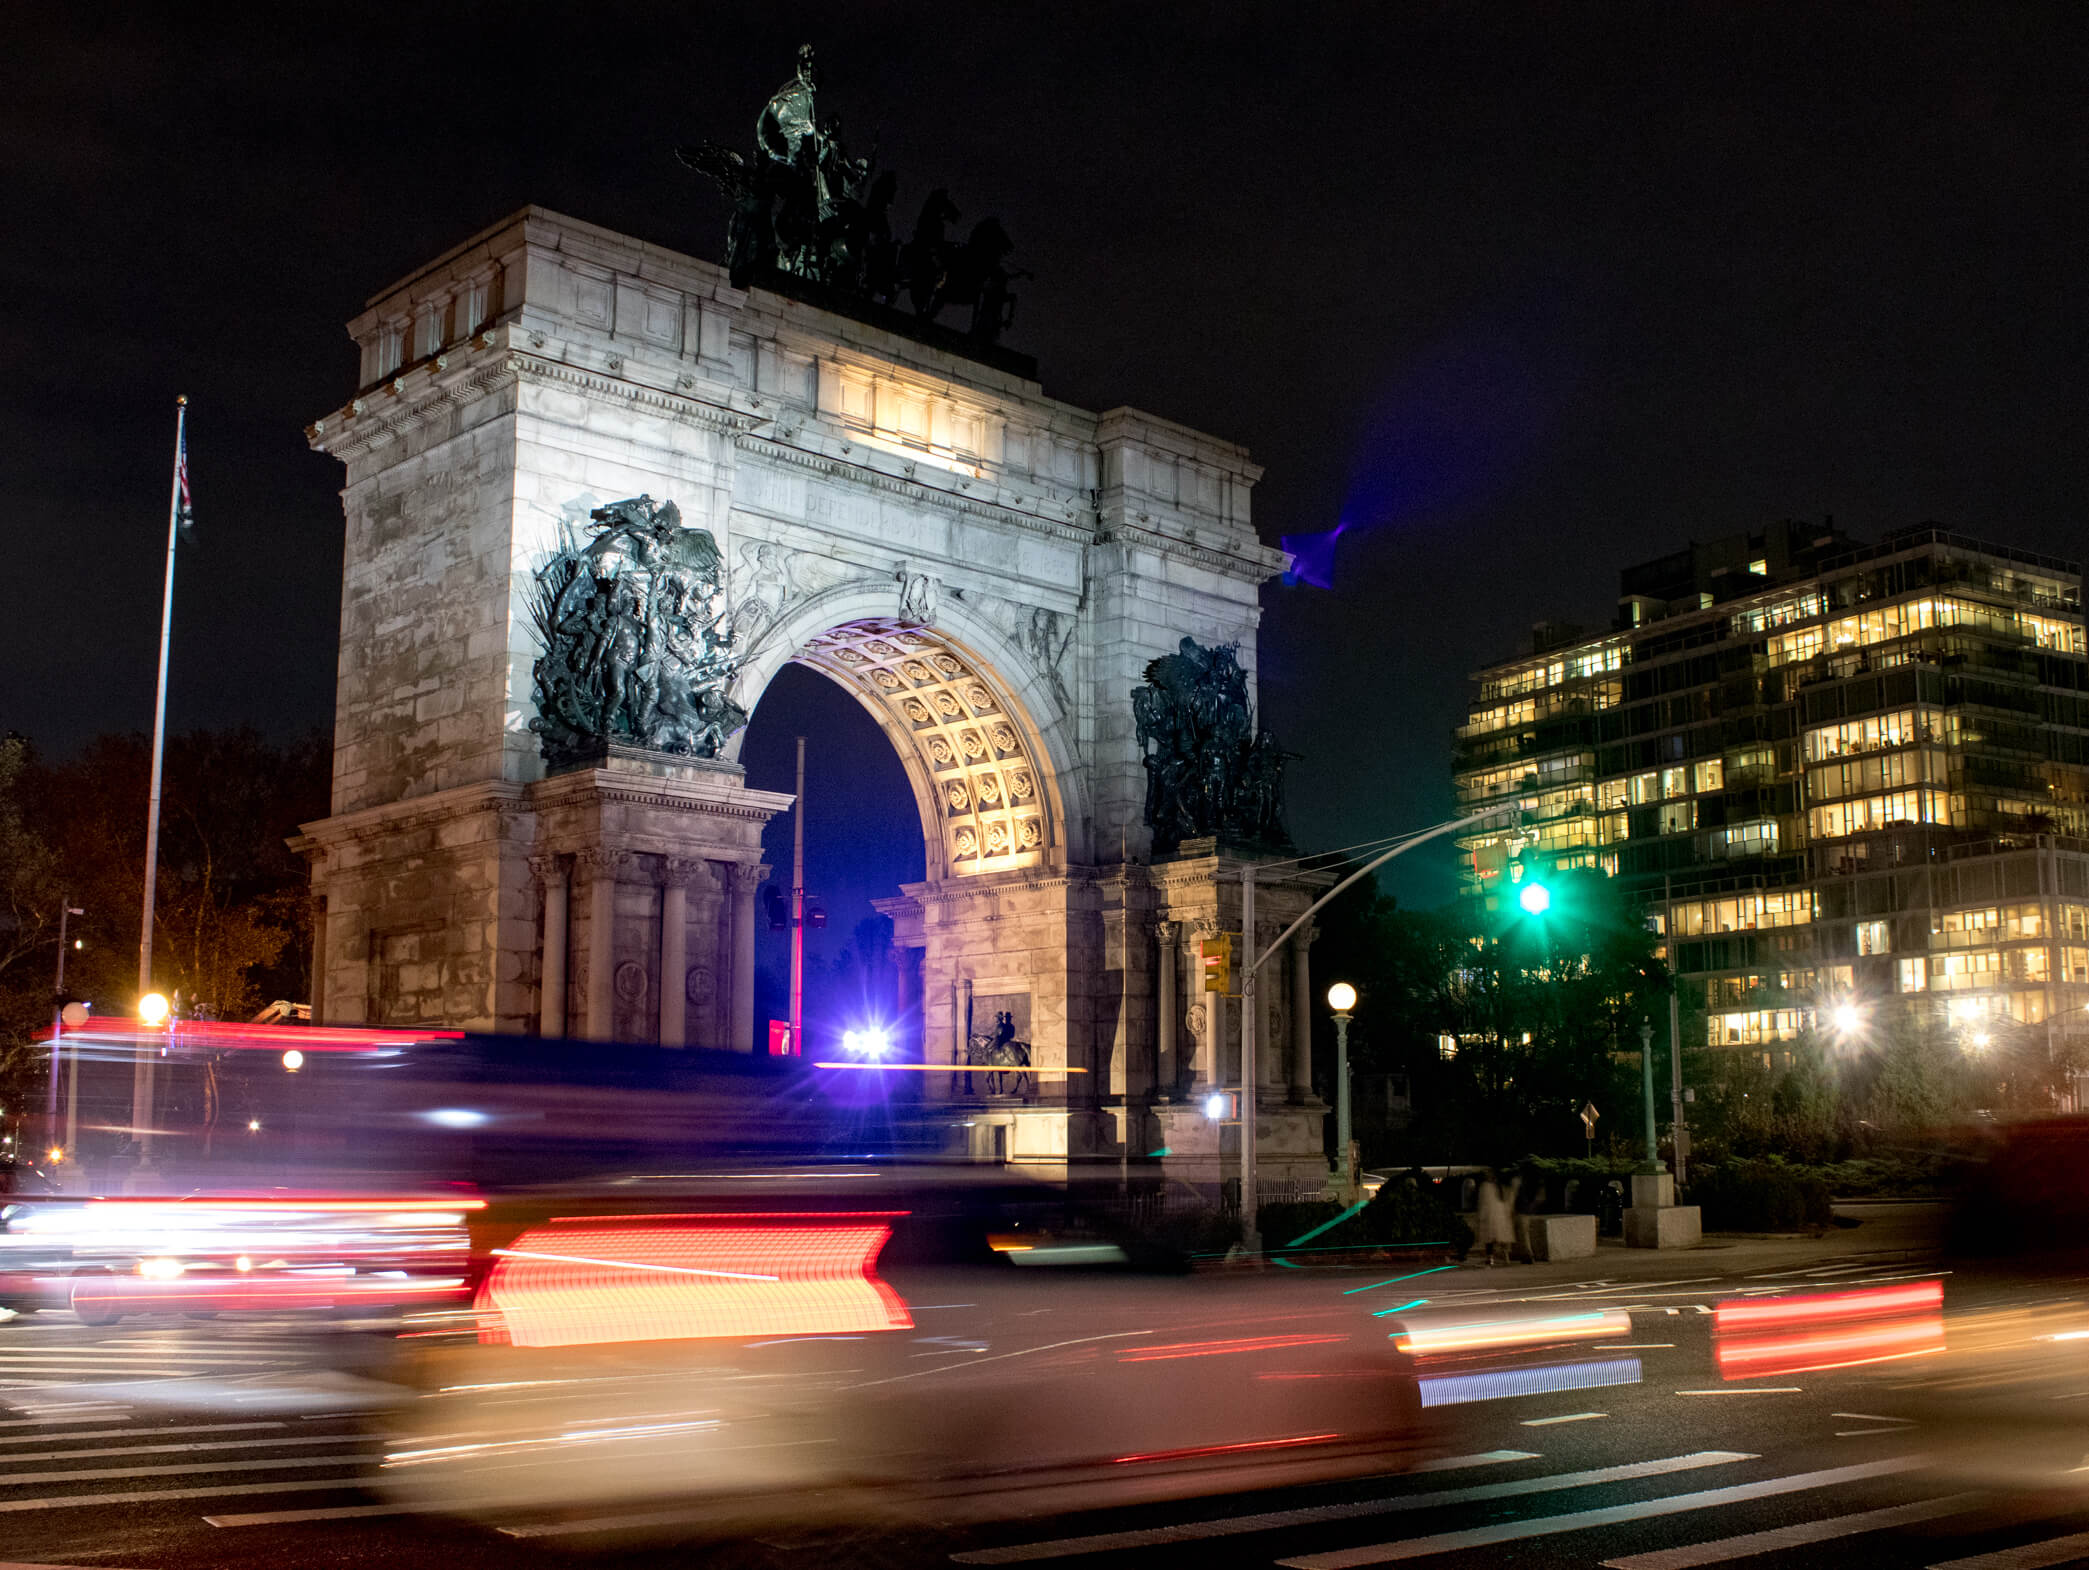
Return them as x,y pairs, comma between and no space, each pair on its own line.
1961,1459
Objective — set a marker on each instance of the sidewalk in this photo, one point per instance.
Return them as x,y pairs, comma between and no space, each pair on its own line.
1888,1232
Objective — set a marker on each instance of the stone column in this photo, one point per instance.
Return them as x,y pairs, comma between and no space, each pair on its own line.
603,866
1211,1050
1302,1016
551,970
1164,1072
674,951
317,988
746,879
960,1038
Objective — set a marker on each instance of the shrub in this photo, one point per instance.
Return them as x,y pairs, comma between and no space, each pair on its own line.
1408,1210
1761,1196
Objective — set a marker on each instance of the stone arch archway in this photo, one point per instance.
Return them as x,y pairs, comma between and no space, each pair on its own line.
996,790
864,488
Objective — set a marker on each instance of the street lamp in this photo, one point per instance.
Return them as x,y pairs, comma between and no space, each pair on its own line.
1646,1085
1341,997
153,1009
1535,898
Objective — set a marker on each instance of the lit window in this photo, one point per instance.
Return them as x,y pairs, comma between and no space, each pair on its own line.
1914,975
1872,938
1759,567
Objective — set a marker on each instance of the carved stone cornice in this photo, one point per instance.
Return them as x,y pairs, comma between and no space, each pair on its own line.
403,404
425,390
446,806
1080,532
675,404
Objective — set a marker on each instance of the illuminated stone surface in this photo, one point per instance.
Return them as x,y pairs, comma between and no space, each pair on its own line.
987,569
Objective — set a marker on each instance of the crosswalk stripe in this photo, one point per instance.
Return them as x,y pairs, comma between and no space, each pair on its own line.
310,1485
1609,1515
1793,1536
292,1517
95,1474
1314,1515
280,1442
2030,1556
125,1433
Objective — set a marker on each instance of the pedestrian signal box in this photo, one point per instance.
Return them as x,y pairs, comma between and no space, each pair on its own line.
1218,963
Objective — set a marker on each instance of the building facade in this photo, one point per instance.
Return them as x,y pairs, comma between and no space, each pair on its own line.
1836,774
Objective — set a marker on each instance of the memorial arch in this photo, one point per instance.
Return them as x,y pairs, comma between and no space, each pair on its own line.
989,571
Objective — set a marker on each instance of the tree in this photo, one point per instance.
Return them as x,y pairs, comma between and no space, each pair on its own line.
1536,1007
29,900
232,914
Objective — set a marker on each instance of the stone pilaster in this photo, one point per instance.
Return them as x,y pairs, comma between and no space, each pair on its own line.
551,875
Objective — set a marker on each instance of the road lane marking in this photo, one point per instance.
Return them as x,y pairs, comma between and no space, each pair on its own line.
144,1496
1231,1526
1874,1417
1609,1515
2030,1556
1793,1536
1028,1351
1750,1390
1570,1417
19,1479
1632,1346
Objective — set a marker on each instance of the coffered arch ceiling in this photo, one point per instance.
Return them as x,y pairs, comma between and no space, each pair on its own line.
969,750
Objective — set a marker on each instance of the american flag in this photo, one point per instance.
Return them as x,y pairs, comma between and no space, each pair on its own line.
184,515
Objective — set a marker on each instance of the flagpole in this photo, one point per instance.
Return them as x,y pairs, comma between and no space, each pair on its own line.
142,1068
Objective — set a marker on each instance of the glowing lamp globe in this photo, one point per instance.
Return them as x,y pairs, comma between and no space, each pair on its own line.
1848,1017
293,1060
153,1008
1216,1107
1535,898
1341,997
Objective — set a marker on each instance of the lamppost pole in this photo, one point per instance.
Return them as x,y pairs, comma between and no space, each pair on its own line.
66,910
1341,997
1646,1084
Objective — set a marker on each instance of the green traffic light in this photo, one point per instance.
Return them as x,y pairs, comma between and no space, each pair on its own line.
1535,898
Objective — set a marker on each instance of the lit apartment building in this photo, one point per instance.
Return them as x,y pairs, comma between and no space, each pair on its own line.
1835,772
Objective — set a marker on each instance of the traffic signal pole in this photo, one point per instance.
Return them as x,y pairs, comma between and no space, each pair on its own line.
1251,962
798,911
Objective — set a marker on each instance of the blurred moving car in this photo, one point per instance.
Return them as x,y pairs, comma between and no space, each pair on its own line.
105,1258
873,1344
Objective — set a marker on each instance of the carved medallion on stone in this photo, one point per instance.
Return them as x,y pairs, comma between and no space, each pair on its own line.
1196,1019
700,985
630,982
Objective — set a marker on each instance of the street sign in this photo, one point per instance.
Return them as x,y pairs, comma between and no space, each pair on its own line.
1589,1114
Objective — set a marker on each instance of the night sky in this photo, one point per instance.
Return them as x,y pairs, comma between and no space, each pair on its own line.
1518,293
